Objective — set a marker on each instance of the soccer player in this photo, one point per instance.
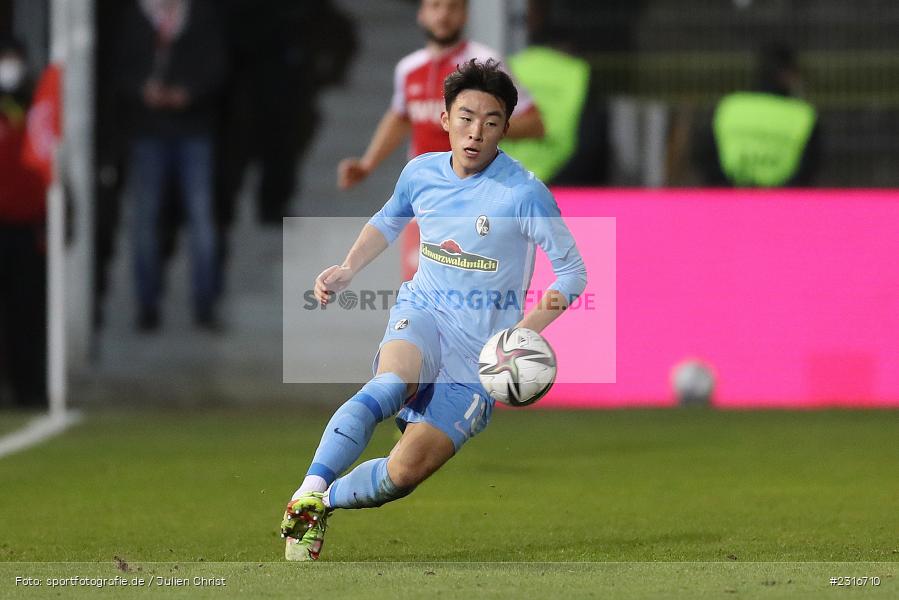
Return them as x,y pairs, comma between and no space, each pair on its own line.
418,93
481,215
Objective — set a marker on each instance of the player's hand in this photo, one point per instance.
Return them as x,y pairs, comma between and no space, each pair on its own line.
331,281
350,172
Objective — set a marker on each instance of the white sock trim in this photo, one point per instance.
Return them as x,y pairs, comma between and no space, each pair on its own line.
312,483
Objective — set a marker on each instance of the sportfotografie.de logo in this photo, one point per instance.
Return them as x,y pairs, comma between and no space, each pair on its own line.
374,300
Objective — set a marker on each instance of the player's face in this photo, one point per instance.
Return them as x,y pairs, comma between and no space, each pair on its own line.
443,20
476,122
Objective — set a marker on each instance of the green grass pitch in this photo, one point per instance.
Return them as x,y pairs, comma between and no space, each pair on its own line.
620,504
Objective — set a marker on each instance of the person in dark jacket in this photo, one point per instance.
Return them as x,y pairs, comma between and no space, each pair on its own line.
283,55
172,69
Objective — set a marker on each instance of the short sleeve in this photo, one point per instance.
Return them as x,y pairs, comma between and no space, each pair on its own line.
398,100
397,212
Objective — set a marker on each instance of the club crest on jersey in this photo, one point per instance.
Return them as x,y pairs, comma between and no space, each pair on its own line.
451,254
401,324
482,225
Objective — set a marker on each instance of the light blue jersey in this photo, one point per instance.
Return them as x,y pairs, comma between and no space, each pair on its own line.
478,240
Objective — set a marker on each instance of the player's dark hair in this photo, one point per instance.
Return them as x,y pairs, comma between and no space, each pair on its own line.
482,76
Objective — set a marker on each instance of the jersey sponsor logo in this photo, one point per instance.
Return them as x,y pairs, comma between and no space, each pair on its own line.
449,253
425,111
401,324
482,225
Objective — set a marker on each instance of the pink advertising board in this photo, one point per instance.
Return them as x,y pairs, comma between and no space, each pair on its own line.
792,297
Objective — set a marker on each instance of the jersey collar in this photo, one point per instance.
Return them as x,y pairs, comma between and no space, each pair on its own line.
439,55
471,179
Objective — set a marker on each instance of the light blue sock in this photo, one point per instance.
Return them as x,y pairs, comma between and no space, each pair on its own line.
350,429
366,486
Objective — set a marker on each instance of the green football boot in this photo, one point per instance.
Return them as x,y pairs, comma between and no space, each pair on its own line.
303,527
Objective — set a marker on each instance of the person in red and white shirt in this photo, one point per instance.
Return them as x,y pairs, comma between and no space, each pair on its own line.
27,120
418,93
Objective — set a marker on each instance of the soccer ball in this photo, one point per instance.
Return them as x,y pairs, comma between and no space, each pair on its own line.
517,366
693,383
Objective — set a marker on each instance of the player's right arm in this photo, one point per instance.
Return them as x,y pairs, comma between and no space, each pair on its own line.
370,243
542,222
378,233
391,132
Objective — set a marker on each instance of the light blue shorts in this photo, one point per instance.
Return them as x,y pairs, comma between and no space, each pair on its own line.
460,410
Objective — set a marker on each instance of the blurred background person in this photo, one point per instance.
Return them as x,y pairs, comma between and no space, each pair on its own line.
574,148
768,137
110,147
172,69
23,260
282,57
417,104
418,93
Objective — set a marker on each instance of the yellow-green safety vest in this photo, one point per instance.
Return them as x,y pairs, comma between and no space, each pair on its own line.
558,83
761,137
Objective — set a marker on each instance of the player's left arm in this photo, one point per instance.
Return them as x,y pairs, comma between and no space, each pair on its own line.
542,222
552,304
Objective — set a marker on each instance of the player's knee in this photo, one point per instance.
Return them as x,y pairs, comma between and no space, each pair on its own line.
409,378
406,475
403,475
403,359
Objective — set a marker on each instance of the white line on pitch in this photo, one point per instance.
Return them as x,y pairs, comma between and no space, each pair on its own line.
38,430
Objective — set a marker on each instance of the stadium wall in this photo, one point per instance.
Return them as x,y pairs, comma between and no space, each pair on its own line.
792,297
